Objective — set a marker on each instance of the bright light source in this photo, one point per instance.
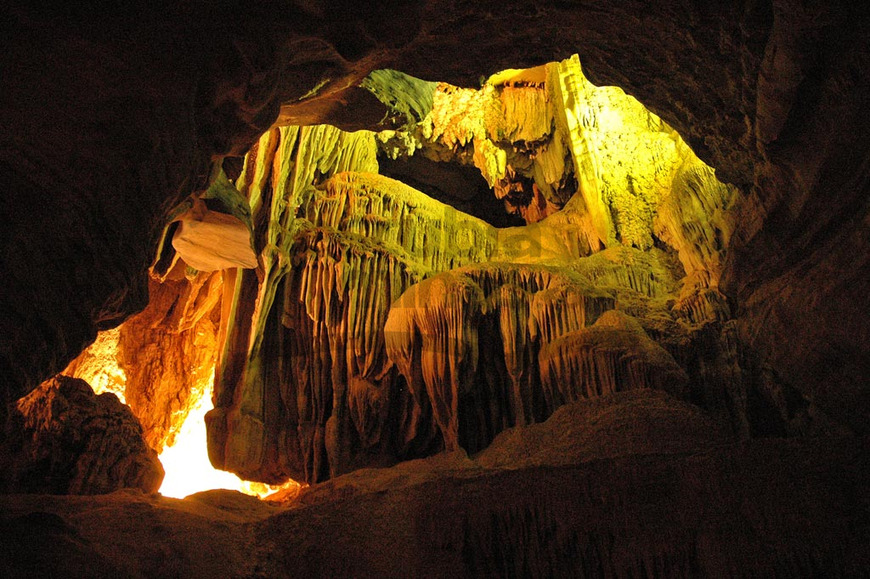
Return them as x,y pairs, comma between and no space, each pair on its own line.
186,463
188,469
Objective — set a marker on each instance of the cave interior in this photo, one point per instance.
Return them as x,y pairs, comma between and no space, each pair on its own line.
435,289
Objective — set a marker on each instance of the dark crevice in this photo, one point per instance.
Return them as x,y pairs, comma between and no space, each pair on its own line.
460,186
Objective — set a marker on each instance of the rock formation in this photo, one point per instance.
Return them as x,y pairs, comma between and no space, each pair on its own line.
358,342
366,335
160,361
586,493
64,439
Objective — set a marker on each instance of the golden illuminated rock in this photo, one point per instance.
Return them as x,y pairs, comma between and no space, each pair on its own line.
160,360
279,181
467,342
111,121
325,368
353,340
613,355
213,241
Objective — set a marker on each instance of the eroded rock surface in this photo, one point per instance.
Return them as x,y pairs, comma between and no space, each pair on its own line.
640,485
64,439
160,361
383,325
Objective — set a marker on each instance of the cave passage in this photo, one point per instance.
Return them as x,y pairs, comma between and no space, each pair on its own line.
506,325
351,299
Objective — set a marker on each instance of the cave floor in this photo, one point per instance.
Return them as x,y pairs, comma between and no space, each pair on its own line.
622,503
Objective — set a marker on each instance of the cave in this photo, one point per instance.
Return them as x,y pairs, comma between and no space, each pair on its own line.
471,289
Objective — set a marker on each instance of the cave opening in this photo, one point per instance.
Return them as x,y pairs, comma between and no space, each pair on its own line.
307,271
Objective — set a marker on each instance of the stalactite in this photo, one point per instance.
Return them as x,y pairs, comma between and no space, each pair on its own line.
320,374
336,380
695,218
441,329
649,273
338,248
413,226
613,355
279,177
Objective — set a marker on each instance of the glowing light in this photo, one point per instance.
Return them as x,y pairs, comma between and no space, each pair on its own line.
186,463
98,365
188,469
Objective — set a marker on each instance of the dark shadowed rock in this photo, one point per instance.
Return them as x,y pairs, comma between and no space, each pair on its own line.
64,439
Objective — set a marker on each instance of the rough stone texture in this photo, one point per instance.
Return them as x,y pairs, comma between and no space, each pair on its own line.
634,423
771,95
207,535
160,361
613,354
467,341
312,383
64,439
168,353
316,378
113,118
700,508
113,114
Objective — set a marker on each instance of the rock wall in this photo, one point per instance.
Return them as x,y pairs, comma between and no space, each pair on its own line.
628,484
304,388
64,439
769,93
160,361
364,337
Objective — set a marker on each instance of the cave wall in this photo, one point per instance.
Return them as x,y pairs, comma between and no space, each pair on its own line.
113,115
161,361
800,262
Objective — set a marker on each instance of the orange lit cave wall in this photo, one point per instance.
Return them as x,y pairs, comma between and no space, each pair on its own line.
161,360
353,320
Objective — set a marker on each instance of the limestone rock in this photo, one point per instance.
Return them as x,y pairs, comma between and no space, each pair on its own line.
467,342
168,353
64,439
635,423
214,241
697,218
649,513
612,355
306,325
106,130
160,361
